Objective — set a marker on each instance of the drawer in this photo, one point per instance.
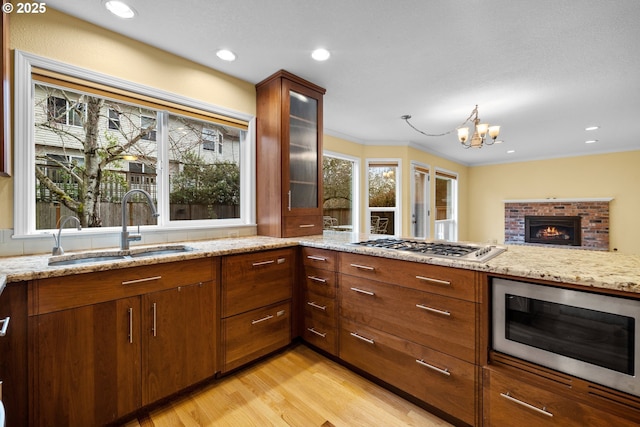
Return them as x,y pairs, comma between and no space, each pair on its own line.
440,380
251,335
320,334
320,258
320,308
78,290
453,282
307,225
321,282
442,323
508,401
254,280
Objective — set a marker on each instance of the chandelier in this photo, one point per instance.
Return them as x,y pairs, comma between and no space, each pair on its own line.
478,136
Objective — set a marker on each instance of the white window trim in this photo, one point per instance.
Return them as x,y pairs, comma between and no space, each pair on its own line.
415,164
24,176
355,189
454,197
397,224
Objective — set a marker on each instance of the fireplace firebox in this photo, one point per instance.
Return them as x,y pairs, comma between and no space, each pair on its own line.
553,230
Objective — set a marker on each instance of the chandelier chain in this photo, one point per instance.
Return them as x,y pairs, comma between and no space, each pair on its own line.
406,118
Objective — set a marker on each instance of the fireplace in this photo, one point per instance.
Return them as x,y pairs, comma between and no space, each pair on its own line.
553,230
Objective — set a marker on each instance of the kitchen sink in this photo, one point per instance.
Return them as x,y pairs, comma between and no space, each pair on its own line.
104,256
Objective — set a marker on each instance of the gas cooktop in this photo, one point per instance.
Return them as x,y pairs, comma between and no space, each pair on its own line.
438,249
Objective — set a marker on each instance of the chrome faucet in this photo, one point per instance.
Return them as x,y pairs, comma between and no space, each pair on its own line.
57,249
126,237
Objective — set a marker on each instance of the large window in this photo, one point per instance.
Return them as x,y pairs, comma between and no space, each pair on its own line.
446,206
87,145
340,192
383,207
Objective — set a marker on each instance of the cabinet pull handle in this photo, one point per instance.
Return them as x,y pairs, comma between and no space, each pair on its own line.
317,279
314,305
360,337
362,291
542,411
436,281
153,328
253,322
130,325
320,334
435,368
363,267
306,225
146,279
259,264
434,310
289,206
5,325
317,258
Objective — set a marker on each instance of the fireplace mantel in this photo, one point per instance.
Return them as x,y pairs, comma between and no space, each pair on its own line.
561,200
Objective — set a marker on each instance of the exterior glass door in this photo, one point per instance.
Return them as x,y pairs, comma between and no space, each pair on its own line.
420,202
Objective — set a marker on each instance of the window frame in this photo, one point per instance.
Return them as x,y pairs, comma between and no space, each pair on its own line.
397,209
450,223
24,182
355,185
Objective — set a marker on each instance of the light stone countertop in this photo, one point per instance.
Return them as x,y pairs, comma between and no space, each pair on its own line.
595,269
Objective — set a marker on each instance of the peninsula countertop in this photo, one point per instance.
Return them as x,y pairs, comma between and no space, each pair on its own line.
596,269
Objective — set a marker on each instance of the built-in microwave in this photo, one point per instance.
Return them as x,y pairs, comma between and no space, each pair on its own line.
588,335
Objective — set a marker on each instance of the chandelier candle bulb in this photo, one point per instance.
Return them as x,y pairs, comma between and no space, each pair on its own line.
494,131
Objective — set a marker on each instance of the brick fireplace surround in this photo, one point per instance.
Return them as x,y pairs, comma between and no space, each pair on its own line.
594,214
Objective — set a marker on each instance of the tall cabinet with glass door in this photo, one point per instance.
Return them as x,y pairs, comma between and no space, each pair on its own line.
289,156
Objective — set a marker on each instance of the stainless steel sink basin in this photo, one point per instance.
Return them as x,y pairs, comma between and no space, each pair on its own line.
89,257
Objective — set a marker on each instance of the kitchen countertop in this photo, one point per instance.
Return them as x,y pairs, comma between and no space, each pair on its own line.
595,269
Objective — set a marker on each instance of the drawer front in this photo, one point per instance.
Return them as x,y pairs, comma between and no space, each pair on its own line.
511,402
321,282
445,324
320,258
61,293
307,225
250,335
439,380
320,308
250,281
446,281
320,334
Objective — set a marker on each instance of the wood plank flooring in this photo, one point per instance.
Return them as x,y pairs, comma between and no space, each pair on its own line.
297,388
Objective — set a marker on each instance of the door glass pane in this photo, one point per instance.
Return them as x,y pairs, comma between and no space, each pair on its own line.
420,201
303,151
337,189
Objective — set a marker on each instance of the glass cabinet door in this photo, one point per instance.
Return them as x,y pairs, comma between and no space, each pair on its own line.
303,151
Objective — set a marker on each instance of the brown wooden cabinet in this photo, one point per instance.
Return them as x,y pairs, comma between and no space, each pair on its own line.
141,334
289,156
415,327
256,305
318,299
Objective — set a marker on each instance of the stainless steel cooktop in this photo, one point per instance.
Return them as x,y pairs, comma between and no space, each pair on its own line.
439,249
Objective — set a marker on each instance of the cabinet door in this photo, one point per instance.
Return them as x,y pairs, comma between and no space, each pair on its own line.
302,162
179,337
85,368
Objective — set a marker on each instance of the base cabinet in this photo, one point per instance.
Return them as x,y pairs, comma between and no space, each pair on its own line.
514,398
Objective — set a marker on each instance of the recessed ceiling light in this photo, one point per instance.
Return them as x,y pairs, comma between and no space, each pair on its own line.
226,55
499,141
511,151
592,128
120,9
591,141
320,54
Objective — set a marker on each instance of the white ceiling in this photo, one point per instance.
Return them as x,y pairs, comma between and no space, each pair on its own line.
543,70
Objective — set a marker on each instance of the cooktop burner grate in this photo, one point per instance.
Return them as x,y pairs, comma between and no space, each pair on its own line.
468,252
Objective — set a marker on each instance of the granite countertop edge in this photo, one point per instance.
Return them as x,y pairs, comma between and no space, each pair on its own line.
596,269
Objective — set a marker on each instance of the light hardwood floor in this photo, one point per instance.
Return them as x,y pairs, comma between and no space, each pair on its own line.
297,388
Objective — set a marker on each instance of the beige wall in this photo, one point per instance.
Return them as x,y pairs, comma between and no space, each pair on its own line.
58,36
614,175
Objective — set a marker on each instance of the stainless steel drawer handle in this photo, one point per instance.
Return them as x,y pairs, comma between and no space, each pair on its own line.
362,267
434,310
5,325
318,306
542,411
435,368
317,279
258,264
253,322
146,279
360,337
130,325
436,281
317,258
307,225
320,334
362,291
154,327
